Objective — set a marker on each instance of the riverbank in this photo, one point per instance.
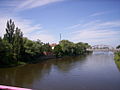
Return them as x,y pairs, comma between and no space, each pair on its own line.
48,57
12,65
40,59
117,56
117,63
117,59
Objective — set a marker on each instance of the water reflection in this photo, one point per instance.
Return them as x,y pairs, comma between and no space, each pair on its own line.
103,52
95,71
24,76
67,63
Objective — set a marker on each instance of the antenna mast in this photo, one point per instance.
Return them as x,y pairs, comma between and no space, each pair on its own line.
60,36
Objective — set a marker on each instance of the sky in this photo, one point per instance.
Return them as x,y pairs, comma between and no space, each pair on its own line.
96,22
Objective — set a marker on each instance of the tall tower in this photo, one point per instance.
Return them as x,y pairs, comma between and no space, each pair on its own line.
60,36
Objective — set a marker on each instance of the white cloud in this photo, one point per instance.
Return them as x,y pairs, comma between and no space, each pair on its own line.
2,27
30,30
72,27
44,37
97,32
25,25
82,24
98,14
94,34
19,5
28,4
110,24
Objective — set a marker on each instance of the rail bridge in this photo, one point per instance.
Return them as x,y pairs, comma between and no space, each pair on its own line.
103,48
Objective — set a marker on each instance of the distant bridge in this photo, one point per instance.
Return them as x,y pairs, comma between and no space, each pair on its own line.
103,48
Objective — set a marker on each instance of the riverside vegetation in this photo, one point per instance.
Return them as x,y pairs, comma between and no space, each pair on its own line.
117,57
16,49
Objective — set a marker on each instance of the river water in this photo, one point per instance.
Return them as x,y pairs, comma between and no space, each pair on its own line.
96,71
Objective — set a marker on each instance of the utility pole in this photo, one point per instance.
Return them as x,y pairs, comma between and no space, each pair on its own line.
60,36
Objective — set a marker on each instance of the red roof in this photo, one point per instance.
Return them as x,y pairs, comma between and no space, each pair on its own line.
53,44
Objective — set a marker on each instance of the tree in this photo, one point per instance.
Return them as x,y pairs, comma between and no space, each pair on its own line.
15,38
47,48
58,51
29,49
5,52
9,36
80,48
70,48
17,44
15,48
2,51
118,47
67,47
32,49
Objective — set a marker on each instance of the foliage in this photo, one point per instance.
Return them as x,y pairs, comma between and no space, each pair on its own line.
117,59
117,56
9,36
70,48
5,52
47,48
17,44
117,63
32,49
58,51
16,49
67,47
118,47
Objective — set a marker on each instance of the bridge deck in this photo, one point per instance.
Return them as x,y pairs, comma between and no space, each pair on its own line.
113,50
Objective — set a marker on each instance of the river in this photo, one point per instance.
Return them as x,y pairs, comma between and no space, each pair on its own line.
96,71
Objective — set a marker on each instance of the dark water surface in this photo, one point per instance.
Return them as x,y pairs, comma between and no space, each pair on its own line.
96,71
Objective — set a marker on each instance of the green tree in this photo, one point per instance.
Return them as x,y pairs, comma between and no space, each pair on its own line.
33,49
5,53
29,49
67,47
14,47
57,51
9,36
17,44
15,38
80,48
118,47
70,48
40,46
47,47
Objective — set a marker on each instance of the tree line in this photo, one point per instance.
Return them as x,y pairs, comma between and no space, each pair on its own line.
14,48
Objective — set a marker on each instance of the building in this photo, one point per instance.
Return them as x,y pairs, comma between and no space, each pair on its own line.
53,45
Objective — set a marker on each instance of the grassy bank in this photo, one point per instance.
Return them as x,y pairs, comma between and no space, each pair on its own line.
117,59
117,56
117,63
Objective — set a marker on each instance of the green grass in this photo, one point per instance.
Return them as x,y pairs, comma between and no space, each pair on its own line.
117,56
117,59
117,62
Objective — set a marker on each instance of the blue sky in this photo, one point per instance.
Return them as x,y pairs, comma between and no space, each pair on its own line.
91,21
